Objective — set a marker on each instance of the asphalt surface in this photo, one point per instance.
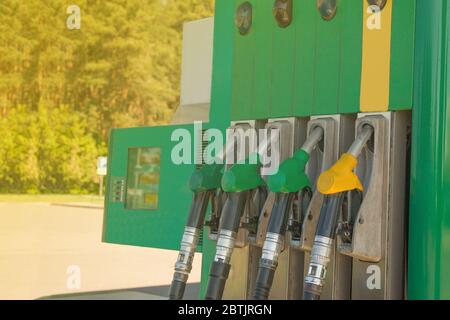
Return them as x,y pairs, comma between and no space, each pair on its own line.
52,250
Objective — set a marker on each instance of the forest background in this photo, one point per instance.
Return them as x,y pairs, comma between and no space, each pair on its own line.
62,89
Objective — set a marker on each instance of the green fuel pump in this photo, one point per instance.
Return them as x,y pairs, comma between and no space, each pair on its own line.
204,183
290,179
240,182
334,184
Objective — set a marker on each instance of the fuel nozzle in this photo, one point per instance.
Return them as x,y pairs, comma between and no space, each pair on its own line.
291,176
290,179
238,182
333,183
203,183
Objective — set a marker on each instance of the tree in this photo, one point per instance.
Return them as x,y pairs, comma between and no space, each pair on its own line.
62,90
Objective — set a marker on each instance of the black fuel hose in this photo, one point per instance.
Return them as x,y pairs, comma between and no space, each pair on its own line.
189,243
229,225
273,245
323,246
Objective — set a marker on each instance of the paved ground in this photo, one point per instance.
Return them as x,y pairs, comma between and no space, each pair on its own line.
44,247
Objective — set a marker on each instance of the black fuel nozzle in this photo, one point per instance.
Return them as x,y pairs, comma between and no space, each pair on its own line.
204,182
290,180
323,246
229,225
240,182
334,183
189,243
299,213
255,205
273,245
218,200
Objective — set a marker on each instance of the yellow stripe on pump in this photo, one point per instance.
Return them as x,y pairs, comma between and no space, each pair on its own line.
376,58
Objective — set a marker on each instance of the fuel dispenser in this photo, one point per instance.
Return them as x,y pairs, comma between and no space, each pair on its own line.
337,136
284,135
363,209
358,232
286,184
291,135
332,183
373,229
245,195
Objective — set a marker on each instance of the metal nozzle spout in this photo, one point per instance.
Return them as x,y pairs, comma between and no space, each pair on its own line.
361,140
314,138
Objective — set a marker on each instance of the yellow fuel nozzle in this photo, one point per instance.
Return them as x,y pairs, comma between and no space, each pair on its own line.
340,177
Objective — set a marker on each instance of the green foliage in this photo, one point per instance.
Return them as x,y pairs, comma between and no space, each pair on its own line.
18,151
62,90
47,151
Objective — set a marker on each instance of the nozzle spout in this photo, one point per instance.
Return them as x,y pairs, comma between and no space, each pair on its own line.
314,138
361,141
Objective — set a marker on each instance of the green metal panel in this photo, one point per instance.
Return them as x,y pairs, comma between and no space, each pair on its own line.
326,62
160,228
304,73
402,54
329,53
224,33
282,65
429,242
311,67
243,68
351,56
263,54
314,66
222,72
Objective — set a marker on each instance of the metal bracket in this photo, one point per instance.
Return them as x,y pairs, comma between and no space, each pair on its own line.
217,201
282,11
373,170
321,159
327,8
379,3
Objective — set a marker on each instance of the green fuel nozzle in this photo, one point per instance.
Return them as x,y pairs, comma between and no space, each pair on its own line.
203,183
208,177
243,176
291,176
290,179
238,181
